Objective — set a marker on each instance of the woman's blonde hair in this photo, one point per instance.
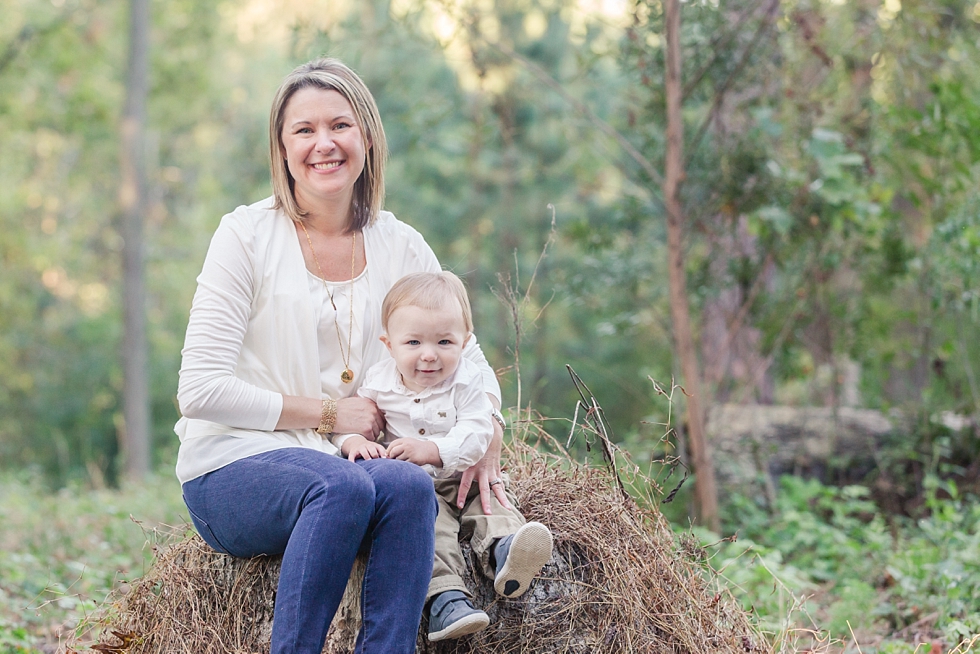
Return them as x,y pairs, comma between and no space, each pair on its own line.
427,290
369,189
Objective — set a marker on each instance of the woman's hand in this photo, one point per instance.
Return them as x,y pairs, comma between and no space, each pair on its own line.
355,415
485,471
359,415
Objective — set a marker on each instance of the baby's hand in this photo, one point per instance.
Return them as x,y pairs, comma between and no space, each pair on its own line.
415,451
359,447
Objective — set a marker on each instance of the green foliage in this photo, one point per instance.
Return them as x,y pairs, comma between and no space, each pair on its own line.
760,578
60,97
15,640
953,254
818,527
938,565
61,553
859,570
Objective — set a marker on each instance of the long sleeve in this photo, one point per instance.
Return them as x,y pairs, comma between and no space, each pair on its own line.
468,440
208,388
474,353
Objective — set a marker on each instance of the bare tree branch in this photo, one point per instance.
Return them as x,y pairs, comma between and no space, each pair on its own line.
764,25
736,323
579,106
583,109
719,47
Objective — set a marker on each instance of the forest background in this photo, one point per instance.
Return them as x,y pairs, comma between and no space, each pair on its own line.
831,255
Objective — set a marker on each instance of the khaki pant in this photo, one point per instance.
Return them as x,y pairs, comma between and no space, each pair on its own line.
482,530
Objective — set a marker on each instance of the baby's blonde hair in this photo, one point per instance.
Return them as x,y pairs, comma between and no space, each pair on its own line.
427,290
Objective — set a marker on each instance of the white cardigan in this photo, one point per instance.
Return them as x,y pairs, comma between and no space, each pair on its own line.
252,335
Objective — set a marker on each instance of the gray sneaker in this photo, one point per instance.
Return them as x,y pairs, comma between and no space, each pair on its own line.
520,556
451,615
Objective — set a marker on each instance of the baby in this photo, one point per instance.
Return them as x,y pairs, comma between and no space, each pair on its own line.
439,417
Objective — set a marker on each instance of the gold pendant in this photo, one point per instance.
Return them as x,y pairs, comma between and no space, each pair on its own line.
347,376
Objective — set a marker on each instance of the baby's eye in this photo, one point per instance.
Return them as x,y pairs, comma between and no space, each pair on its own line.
445,341
414,342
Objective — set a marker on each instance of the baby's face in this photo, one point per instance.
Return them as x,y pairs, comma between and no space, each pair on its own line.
426,344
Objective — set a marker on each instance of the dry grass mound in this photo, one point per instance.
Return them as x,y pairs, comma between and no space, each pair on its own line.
619,581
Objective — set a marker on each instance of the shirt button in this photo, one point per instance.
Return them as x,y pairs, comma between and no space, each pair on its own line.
421,432
417,400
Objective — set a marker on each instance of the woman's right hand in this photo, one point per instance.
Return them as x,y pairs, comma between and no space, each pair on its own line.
359,415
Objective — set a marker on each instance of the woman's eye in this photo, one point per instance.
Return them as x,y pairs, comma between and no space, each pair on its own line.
339,126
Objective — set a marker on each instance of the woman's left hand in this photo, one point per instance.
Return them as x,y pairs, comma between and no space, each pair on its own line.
486,470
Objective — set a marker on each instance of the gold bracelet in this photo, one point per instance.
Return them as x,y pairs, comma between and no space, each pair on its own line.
328,417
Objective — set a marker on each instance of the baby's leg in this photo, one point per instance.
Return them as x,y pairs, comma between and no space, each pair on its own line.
449,566
451,614
511,550
487,529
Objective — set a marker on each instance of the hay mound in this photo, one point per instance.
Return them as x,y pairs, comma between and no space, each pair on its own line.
618,582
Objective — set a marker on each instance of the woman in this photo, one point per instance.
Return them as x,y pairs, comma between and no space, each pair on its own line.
284,324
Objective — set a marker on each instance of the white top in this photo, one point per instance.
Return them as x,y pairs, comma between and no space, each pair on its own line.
259,330
455,414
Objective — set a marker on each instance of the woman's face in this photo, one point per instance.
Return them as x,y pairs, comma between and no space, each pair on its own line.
323,148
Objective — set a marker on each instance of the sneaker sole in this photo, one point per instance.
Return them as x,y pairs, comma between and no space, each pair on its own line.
469,624
529,551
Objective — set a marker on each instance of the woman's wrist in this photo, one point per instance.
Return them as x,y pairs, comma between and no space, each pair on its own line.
499,418
328,416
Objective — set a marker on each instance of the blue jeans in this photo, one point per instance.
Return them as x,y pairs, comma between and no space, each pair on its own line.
318,510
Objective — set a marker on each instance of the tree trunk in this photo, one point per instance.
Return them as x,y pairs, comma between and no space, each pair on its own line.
705,489
133,203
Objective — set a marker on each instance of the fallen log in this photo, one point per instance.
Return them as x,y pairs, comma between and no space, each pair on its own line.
619,581
753,442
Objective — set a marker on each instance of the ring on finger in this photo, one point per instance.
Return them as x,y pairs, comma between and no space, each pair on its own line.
495,482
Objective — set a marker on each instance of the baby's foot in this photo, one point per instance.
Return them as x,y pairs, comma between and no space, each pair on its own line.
520,556
452,615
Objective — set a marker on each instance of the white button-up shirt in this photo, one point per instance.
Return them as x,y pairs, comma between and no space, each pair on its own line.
455,414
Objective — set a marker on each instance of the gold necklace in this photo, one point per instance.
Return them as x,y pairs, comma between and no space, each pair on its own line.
347,376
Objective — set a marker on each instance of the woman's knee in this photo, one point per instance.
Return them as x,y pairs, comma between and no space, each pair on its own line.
405,484
350,487
417,482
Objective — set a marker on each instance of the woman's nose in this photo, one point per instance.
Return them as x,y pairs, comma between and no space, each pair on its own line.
324,141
